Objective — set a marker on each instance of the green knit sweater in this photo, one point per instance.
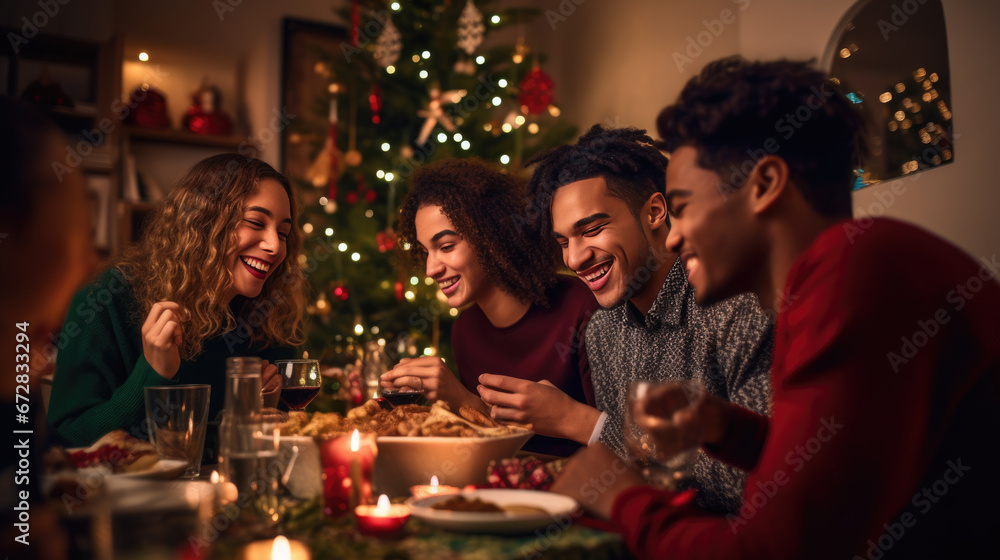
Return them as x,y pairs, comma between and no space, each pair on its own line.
101,371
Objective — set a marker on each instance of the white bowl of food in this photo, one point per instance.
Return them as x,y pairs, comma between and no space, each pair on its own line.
403,461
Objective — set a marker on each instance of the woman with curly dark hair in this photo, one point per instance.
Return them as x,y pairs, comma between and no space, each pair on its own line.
465,222
209,280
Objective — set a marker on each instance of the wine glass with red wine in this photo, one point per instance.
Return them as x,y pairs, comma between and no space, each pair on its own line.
300,382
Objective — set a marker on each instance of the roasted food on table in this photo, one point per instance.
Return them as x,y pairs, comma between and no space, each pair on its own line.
405,420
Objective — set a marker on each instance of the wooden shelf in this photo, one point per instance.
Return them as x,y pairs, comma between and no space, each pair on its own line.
185,138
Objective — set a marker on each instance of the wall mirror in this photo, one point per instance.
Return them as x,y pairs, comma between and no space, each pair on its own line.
892,58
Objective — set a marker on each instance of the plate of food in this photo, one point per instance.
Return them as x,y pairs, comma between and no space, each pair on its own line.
497,511
116,454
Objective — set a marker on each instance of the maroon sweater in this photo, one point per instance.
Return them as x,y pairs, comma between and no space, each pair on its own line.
882,442
546,343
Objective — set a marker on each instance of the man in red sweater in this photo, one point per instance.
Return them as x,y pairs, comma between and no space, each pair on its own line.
886,367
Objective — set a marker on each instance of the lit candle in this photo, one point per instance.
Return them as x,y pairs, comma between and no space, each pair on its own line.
382,520
348,463
432,489
278,549
226,492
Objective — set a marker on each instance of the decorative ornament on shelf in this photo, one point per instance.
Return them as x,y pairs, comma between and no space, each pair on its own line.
470,28
537,91
150,108
388,45
205,116
46,92
434,113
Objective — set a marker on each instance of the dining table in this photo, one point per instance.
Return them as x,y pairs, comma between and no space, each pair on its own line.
183,518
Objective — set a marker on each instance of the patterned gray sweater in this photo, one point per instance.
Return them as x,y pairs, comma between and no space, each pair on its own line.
727,345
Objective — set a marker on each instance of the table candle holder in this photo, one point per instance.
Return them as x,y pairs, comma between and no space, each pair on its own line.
348,464
384,520
421,491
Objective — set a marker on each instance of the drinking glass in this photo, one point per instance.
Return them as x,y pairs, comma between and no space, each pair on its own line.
659,470
300,382
408,394
178,417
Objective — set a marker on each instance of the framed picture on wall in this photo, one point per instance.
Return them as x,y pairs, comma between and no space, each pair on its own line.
306,77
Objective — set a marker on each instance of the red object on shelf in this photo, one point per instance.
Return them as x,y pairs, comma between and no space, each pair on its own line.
147,107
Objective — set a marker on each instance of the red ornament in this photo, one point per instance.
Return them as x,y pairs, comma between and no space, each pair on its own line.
352,197
204,116
537,91
399,290
386,240
370,196
149,108
375,102
340,292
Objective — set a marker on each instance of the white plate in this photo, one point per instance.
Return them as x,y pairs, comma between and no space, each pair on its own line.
558,509
164,469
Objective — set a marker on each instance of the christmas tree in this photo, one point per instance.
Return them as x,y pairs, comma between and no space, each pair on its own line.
414,84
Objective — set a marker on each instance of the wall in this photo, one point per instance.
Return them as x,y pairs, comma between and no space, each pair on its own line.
619,63
959,201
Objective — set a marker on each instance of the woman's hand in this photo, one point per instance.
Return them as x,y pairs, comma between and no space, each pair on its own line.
438,382
550,411
162,338
270,384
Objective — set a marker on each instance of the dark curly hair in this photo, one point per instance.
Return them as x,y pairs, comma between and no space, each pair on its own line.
736,111
626,158
486,206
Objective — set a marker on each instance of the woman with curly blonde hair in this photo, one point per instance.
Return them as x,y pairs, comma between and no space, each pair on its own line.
214,276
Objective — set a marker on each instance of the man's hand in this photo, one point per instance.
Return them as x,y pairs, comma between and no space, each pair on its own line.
676,425
594,477
162,338
437,381
270,384
550,411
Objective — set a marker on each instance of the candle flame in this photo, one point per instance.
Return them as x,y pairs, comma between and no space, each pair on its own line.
434,482
382,509
281,549
355,441
215,477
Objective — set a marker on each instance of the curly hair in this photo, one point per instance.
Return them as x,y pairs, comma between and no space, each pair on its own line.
736,111
626,158
182,257
486,206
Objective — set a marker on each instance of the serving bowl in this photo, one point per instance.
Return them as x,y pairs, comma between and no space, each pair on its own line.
403,462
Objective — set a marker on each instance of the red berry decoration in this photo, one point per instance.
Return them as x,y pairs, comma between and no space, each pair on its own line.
537,91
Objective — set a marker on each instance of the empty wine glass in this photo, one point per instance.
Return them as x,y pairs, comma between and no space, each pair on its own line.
659,470
300,382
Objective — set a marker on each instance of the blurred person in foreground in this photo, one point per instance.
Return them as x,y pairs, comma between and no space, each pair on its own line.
886,362
601,202
465,225
46,246
211,278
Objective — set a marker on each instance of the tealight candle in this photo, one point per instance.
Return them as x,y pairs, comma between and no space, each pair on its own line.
348,463
433,489
280,548
226,492
382,520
